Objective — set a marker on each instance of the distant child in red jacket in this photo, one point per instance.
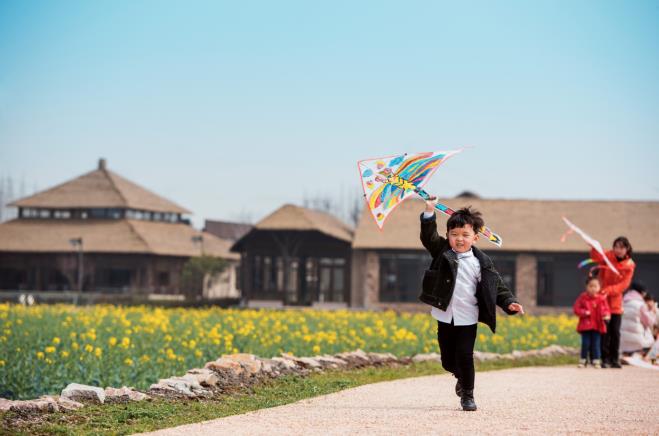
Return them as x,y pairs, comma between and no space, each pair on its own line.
593,310
613,286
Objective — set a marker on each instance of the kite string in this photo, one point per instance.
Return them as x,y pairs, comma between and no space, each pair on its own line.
566,234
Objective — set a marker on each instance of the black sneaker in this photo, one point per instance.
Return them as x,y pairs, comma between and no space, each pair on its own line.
616,365
467,400
606,364
458,388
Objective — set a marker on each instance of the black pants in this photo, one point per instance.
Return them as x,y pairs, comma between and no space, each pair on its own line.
456,346
611,340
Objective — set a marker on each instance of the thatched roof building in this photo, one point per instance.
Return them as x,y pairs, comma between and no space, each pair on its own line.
132,239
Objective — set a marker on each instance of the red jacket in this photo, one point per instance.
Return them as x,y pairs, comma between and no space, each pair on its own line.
591,311
614,285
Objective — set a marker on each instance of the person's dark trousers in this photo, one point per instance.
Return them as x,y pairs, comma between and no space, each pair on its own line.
611,340
590,344
456,347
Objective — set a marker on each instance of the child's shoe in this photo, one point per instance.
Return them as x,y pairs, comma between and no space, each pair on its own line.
467,400
458,388
582,363
597,363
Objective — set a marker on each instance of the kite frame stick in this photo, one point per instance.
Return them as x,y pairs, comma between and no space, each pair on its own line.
592,242
485,231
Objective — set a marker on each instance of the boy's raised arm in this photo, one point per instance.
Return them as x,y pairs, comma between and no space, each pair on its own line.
429,236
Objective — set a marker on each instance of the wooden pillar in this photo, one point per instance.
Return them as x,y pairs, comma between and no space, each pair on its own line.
372,279
526,271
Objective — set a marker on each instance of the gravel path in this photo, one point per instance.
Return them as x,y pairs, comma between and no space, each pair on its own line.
537,400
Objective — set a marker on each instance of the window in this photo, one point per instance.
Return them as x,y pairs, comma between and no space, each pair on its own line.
267,273
62,214
544,283
279,264
106,213
170,217
293,272
114,279
325,284
257,271
332,279
163,278
29,213
292,286
506,266
559,280
401,275
44,213
13,279
311,277
115,214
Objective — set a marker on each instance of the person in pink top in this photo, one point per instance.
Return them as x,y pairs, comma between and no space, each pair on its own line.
593,310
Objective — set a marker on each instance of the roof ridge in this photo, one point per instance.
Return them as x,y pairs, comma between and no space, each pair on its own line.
306,217
139,235
109,174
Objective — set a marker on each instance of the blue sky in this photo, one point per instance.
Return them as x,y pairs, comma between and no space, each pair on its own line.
234,108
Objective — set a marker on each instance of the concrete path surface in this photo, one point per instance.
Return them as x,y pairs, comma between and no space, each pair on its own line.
537,400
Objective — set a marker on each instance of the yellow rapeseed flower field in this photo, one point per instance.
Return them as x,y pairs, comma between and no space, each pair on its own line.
42,348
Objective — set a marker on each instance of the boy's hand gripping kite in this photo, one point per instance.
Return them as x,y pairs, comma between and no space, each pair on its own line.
387,181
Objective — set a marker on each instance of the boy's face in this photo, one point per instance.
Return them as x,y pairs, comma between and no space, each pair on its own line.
593,287
462,238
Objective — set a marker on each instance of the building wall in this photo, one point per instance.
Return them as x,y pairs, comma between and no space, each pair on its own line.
526,285
105,273
543,282
224,284
290,253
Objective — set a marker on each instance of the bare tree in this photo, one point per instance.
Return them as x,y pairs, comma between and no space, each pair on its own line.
245,216
6,197
346,205
355,211
2,199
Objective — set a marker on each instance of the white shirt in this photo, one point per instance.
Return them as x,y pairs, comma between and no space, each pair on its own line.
463,307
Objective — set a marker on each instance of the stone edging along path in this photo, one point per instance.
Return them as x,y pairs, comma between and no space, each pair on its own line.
234,371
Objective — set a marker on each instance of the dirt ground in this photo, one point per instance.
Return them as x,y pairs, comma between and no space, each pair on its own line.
552,400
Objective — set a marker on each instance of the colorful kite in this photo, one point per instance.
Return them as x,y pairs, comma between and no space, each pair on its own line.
387,181
593,264
590,241
587,262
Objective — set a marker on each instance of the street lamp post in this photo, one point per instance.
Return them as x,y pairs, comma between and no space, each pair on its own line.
199,239
77,243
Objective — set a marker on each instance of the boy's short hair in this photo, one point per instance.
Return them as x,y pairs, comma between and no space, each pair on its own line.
464,216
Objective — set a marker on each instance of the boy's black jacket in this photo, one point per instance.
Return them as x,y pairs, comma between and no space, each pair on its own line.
439,280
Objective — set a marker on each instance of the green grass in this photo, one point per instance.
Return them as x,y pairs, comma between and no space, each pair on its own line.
152,415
